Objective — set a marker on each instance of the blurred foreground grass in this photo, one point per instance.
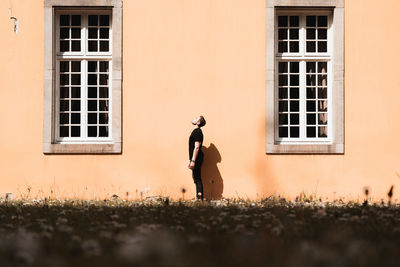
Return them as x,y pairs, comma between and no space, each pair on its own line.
228,232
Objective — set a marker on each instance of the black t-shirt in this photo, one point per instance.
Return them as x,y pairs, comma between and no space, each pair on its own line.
196,136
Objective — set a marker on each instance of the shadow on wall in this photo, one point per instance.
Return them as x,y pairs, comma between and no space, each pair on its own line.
212,180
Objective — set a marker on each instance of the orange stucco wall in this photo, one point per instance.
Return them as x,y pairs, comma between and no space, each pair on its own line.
187,57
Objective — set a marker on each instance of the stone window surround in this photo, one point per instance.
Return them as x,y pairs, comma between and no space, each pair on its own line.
337,145
49,144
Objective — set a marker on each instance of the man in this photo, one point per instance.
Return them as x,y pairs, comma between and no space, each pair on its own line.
196,155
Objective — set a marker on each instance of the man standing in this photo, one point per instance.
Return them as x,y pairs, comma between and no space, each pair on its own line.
196,155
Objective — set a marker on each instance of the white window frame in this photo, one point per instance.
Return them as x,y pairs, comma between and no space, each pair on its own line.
334,144
84,56
302,57
51,142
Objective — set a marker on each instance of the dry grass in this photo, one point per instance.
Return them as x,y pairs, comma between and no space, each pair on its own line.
229,232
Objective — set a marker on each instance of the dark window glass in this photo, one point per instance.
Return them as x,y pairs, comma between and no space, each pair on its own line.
64,20
75,118
75,131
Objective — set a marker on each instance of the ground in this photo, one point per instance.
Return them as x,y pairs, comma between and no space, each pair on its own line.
227,232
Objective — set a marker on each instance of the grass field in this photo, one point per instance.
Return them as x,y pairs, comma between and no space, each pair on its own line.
229,232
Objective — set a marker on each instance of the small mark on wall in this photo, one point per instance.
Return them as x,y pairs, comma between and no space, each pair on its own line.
15,24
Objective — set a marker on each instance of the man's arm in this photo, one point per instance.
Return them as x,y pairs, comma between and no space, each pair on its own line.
195,153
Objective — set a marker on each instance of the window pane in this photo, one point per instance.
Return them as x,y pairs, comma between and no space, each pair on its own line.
294,67
294,132
64,92
75,105
64,79
311,21
64,33
104,20
64,66
103,91
311,119
294,34
294,80
76,20
75,92
104,33
92,79
75,131
283,93
103,118
322,67
93,33
92,131
322,131
103,131
283,106
283,132
93,20
64,20
294,119
283,119
322,80
64,131
282,47
322,47
103,79
322,34
104,46
64,105
103,105
75,66
311,80
92,105
103,66
92,92
64,118
322,21
294,93
282,21
322,93
64,46
92,66
310,34
323,118
76,33
75,79
283,80
294,106
310,67
294,21
76,46
92,118
93,46
311,47
311,93
282,34
322,105
283,67
294,47
75,118
311,132
310,105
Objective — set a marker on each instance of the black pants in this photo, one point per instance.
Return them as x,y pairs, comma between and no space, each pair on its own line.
196,173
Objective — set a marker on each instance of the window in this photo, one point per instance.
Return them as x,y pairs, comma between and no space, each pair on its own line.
82,77
304,77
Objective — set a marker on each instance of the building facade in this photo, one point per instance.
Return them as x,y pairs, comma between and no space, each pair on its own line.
300,97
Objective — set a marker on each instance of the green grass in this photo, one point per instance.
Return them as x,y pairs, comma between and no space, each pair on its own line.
220,233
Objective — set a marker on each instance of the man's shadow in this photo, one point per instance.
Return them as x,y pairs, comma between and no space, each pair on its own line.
212,180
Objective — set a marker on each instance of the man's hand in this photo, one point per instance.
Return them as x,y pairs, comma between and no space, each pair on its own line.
191,165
